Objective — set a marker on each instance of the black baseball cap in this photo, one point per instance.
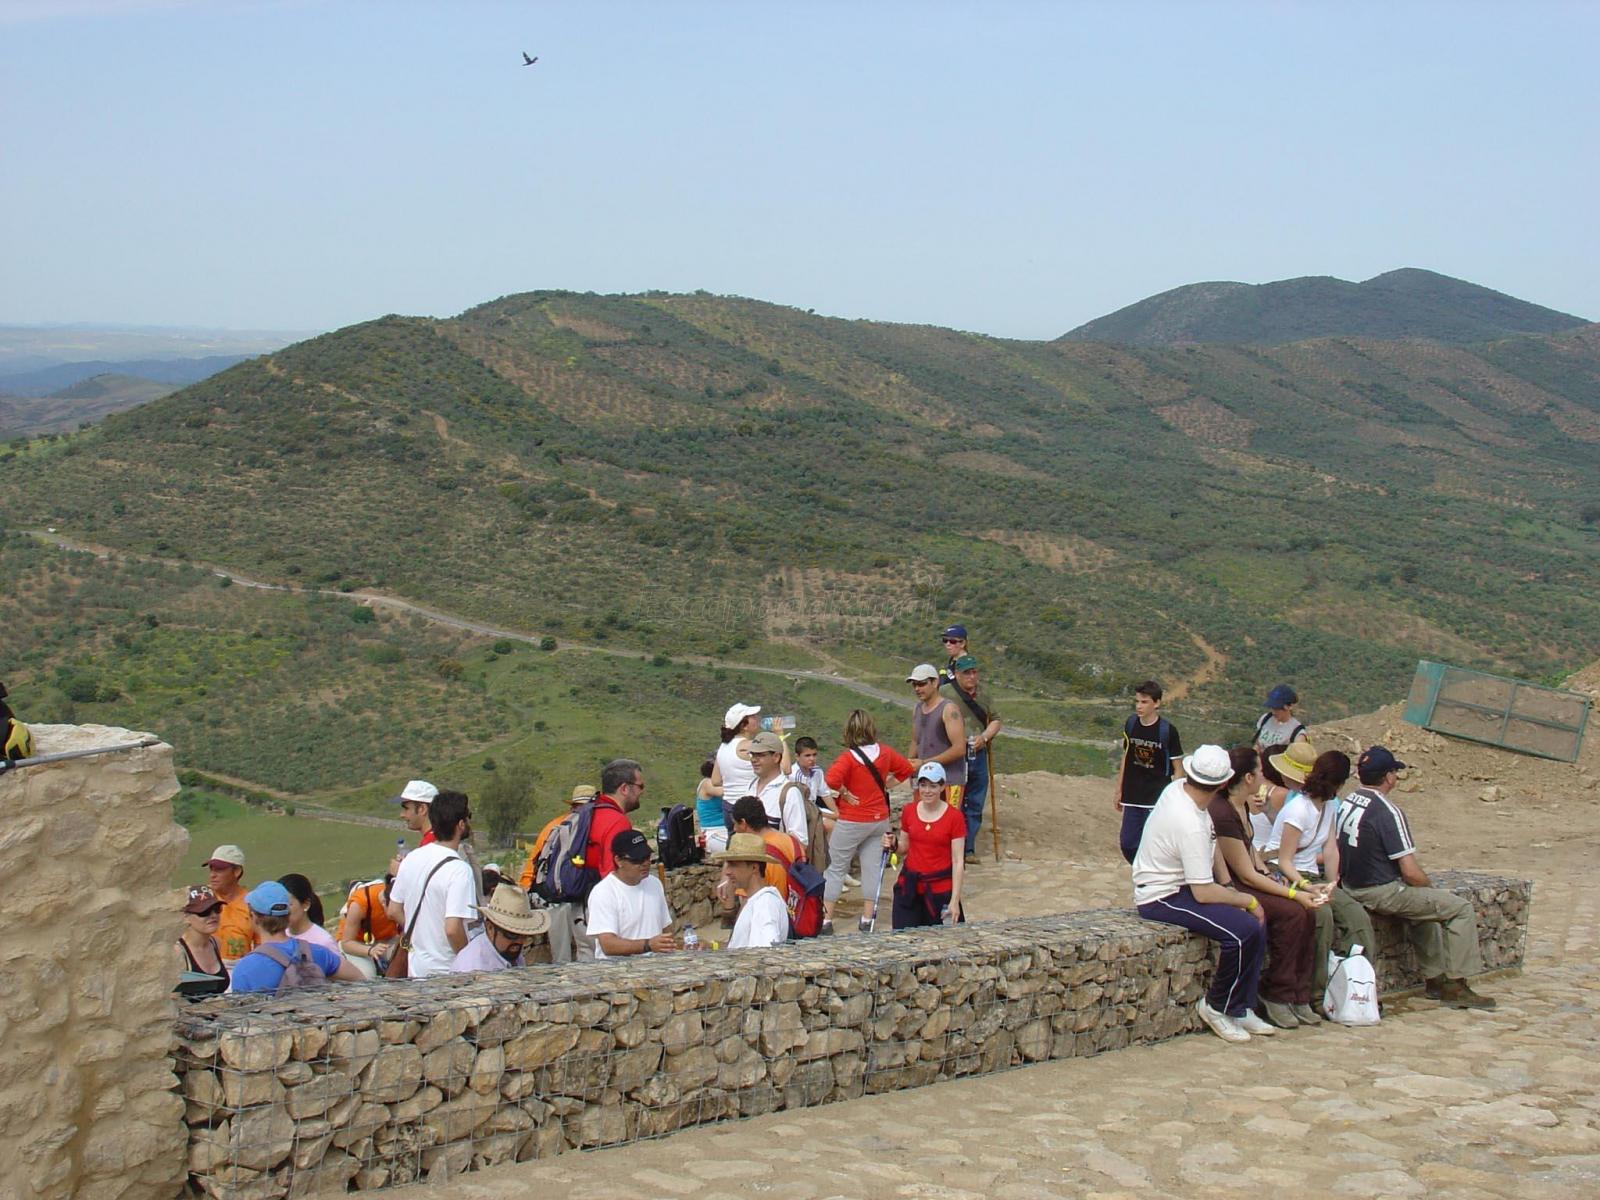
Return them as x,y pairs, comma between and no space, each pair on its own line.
631,846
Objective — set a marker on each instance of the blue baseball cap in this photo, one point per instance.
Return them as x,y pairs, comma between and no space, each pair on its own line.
955,631
1282,696
1376,762
270,899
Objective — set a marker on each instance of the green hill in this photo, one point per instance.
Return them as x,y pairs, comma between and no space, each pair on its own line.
711,475
82,403
1407,303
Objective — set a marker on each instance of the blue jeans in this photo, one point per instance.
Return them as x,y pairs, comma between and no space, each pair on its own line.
1133,820
977,792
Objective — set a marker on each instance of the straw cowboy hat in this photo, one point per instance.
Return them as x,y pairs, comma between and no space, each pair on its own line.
509,909
745,847
1296,761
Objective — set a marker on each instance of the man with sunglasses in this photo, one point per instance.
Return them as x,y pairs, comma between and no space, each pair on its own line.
508,922
955,645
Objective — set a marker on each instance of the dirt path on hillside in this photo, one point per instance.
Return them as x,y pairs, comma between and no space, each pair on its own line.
390,603
1210,671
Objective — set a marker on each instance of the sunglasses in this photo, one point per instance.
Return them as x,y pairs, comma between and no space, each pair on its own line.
209,913
954,641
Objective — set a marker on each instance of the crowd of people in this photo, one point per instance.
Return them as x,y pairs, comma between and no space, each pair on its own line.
1261,848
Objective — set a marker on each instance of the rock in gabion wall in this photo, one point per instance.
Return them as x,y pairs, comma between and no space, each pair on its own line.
87,853
372,1085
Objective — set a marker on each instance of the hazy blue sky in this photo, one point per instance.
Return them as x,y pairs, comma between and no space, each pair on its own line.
1010,168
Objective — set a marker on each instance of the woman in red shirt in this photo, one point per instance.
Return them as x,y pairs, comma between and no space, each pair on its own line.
862,794
932,837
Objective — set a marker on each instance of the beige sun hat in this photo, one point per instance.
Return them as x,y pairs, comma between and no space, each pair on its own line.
745,847
509,909
1295,761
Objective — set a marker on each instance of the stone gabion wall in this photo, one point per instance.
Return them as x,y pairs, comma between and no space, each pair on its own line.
87,853
373,1085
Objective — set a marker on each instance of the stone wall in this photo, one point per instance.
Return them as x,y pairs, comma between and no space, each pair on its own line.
87,853
379,1084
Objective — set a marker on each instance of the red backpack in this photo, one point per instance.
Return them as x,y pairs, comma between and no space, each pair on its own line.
803,893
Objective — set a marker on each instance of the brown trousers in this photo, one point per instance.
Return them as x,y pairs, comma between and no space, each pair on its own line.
1291,938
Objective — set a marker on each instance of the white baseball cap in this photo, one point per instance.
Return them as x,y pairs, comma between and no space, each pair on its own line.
731,719
419,791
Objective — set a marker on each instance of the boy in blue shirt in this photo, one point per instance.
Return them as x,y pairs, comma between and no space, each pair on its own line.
261,972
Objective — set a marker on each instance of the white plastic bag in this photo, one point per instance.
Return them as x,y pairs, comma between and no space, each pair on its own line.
1352,995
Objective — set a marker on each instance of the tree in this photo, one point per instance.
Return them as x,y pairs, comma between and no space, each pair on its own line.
506,801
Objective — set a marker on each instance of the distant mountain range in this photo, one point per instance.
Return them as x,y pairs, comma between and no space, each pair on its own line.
695,473
84,402
52,380
1408,303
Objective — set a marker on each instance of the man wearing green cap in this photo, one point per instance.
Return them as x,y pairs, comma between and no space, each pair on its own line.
985,719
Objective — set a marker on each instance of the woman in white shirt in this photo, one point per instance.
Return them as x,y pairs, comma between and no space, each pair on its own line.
305,913
733,772
1307,853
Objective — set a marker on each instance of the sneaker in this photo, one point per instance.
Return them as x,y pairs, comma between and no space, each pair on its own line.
1254,1025
971,859
1456,994
864,925
1280,1014
1221,1024
851,881
826,930
1307,1015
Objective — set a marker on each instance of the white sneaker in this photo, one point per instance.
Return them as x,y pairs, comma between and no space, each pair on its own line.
1251,1023
1221,1024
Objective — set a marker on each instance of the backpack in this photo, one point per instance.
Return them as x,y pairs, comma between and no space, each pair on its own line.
802,892
560,873
1352,994
675,838
299,972
1261,723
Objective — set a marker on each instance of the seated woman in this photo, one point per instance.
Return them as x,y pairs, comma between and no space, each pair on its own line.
1307,853
709,819
931,839
1175,880
1291,925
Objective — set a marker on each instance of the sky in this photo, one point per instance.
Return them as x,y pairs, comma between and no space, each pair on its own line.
1008,168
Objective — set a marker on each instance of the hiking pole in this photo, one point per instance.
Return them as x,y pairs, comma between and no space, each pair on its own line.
40,759
994,802
883,866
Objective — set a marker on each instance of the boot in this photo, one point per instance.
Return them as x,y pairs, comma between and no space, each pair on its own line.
1456,994
1433,988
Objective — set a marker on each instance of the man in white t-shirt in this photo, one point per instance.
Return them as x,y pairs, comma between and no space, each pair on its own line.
764,918
628,911
437,889
1179,878
785,805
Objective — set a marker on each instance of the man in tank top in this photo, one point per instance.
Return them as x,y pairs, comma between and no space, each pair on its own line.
938,732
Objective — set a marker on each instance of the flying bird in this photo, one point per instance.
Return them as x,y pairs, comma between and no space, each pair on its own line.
528,62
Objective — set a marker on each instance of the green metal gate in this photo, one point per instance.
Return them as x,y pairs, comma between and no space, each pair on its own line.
1519,716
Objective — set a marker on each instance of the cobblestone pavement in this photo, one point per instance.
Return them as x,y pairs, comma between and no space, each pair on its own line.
1433,1102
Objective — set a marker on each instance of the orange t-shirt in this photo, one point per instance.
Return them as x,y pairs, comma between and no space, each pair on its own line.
366,911
788,847
236,932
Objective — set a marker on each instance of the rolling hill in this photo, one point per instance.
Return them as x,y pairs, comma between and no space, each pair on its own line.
1408,303
84,402
695,473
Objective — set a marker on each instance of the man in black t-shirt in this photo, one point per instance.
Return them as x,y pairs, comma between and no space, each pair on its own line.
1150,752
1378,866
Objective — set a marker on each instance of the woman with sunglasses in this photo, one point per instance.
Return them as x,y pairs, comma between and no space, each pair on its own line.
203,973
931,838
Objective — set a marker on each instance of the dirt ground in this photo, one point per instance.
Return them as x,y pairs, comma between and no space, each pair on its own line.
1432,1102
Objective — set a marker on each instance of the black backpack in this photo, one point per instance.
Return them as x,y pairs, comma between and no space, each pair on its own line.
675,842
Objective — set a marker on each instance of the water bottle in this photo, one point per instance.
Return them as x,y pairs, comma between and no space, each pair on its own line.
399,847
769,724
948,917
691,939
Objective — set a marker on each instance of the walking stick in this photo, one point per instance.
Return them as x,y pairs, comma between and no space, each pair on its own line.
888,856
994,802
40,759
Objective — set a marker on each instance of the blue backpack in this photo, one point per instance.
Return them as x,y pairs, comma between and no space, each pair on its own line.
560,873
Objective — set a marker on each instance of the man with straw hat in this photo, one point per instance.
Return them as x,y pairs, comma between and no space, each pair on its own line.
508,922
764,919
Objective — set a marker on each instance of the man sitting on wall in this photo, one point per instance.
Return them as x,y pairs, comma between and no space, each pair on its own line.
1379,866
764,919
628,911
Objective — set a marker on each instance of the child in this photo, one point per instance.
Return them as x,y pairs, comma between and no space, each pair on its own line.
1150,751
819,797
1278,726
